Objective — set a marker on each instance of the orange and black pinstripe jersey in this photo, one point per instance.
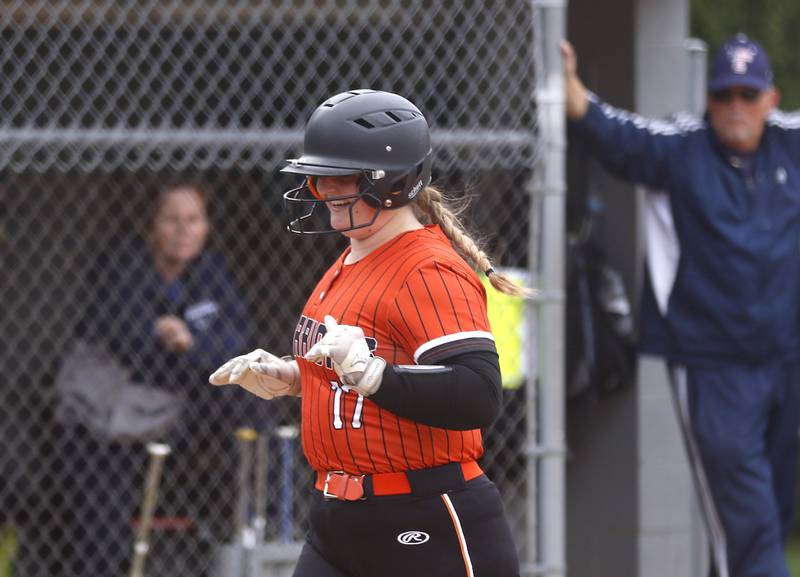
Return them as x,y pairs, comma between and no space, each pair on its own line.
418,302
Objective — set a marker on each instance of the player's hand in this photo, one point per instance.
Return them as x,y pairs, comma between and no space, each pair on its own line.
261,373
352,360
173,333
577,102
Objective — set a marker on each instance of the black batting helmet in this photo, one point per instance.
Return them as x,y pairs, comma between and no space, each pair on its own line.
379,135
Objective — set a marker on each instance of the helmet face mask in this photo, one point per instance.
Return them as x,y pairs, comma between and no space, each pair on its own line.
379,135
304,208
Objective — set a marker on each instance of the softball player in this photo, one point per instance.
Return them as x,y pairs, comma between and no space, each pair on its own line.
393,357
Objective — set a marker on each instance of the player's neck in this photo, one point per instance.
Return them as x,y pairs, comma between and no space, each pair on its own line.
402,221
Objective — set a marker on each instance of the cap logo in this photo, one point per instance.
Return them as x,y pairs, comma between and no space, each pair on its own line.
740,58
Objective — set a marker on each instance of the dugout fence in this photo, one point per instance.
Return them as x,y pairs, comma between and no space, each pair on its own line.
104,103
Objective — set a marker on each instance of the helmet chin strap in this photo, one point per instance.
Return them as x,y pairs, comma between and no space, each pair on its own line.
353,225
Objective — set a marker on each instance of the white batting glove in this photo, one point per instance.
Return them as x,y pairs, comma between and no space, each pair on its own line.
352,360
261,373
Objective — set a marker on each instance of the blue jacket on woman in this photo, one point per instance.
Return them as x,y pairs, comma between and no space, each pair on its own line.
129,297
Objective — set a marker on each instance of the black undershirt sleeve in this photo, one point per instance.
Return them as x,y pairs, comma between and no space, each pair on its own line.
462,392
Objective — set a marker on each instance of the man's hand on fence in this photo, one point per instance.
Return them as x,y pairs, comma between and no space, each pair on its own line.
577,102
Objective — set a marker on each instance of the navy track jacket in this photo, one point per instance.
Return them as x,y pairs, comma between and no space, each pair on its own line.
736,292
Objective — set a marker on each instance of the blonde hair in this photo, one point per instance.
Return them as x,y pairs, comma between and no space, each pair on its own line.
432,206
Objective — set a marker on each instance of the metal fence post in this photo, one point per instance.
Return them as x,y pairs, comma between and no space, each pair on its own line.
546,422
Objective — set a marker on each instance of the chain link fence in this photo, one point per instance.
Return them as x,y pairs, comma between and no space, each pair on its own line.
103,105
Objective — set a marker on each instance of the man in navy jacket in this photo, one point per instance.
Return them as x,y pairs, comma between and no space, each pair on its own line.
721,300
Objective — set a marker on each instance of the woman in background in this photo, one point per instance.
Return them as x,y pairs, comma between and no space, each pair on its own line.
165,308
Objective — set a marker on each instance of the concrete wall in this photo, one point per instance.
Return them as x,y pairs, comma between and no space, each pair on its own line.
671,540
602,492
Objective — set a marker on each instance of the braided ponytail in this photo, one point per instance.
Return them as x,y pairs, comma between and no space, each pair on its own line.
433,207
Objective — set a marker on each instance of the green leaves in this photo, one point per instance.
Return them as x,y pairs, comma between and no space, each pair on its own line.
772,23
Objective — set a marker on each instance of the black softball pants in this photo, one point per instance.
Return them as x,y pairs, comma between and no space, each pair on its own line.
457,533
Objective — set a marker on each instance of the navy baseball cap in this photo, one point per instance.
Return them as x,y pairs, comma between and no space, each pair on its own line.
740,62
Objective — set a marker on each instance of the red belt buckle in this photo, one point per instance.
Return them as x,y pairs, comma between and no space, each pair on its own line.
342,486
